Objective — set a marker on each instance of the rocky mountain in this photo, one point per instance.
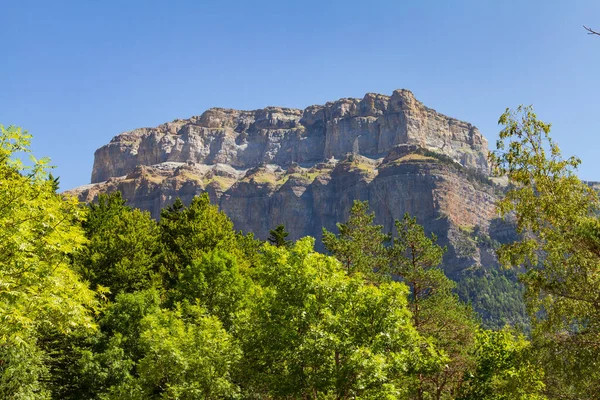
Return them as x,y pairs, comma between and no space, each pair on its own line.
304,168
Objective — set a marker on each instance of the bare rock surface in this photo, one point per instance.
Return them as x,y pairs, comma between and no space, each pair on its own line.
370,126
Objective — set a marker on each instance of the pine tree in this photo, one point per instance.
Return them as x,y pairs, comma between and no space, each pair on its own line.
360,245
278,237
436,311
189,232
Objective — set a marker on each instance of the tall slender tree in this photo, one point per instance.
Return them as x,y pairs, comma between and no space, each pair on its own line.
361,245
436,311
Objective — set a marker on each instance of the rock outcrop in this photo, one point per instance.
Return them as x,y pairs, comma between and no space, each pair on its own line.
304,168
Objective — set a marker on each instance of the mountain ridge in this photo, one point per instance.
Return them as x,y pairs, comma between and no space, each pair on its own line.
369,126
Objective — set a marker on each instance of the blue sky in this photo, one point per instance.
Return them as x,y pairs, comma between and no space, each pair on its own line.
76,73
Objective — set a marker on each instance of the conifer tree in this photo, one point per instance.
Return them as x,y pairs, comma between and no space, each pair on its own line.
123,246
437,312
189,232
360,245
278,237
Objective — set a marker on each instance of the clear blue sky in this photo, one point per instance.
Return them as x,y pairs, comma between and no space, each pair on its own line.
76,73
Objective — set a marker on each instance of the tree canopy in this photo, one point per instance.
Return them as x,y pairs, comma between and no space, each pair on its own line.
99,301
40,294
557,216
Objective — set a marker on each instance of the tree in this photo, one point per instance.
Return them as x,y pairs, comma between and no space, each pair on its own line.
104,365
189,232
54,181
559,251
506,369
123,246
360,245
313,332
214,281
278,237
437,313
188,355
146,352
39,293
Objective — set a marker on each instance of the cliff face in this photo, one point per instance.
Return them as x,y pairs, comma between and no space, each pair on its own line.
245,139
304,168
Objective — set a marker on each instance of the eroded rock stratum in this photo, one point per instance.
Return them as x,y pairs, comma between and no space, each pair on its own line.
304,168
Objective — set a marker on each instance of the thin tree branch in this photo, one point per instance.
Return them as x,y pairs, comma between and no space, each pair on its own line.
591,31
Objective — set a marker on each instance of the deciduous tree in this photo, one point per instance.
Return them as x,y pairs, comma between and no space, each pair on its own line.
505,368
557,216
39,292
315,332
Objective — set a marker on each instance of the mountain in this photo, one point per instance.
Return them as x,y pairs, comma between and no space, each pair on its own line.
304,168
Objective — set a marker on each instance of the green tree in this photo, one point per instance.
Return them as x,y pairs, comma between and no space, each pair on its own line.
557,217
189,232
188,355
360,245
123,245
437,313
105,365
278,236
214,281
315,332
506,369
54,181
495,294
39,293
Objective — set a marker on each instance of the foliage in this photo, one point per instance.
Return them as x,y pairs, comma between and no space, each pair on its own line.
188,232
558,217
188,355
505,369
496,295
360,245
313,331
104,363
122,249
437,313
278,236
214,281
38,291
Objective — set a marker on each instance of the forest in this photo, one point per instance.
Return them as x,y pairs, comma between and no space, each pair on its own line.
100,301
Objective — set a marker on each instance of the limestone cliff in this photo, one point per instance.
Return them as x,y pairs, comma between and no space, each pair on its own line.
370,126
304,168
